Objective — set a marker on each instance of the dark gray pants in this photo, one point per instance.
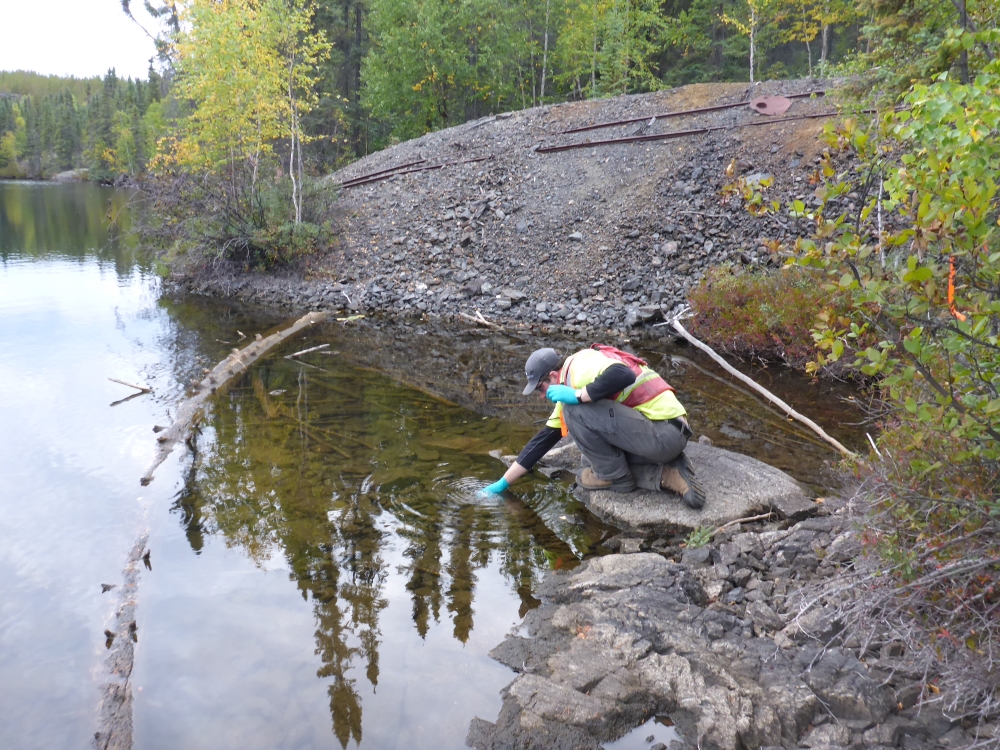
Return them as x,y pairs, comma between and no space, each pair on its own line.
617,440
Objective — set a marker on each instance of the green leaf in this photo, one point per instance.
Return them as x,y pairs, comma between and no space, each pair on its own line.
919,275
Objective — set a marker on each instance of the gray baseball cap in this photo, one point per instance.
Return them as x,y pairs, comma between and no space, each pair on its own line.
539,364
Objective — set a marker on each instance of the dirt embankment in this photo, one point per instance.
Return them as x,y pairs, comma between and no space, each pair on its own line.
583,240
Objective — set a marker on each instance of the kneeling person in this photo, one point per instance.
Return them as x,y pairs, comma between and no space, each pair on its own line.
624,417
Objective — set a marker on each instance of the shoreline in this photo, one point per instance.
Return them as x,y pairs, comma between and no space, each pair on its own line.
739,643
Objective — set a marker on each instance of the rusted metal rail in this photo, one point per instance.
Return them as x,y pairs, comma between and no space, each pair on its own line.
678,133
681,113
378,177
365,177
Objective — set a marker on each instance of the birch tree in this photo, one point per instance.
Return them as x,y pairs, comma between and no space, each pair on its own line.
757,16
247,68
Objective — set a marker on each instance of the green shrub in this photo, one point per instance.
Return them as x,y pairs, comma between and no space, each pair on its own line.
200,220
906,234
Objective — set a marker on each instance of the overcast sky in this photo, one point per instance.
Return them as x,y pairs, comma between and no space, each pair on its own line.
74,37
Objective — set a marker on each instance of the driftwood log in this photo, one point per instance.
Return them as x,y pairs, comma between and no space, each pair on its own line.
189,411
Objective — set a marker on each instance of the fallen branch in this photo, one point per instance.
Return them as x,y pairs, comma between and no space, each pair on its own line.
190,410
143,388
325,443
478,319
761,389
306,351
739,521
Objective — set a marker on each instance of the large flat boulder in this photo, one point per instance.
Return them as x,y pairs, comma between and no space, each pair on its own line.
736,486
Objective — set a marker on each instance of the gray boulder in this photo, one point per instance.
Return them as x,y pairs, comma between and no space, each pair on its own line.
72,175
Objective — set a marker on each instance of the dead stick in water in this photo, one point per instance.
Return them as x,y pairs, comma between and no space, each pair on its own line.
190,410
142,388
762,390
335,434
311,434
306,351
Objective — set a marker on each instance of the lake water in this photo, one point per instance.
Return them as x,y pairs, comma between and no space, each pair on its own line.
321,573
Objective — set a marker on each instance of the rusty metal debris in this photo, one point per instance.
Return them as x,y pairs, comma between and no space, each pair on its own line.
682,113
771,105
678,133
386,174
365,177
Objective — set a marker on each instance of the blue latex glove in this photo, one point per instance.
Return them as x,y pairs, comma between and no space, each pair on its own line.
561,394
496,488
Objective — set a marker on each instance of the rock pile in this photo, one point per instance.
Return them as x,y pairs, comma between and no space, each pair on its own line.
587,240
724,641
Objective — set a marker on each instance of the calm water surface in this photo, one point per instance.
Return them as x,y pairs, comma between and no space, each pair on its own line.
322,572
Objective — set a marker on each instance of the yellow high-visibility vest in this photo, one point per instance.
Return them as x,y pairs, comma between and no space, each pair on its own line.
584,367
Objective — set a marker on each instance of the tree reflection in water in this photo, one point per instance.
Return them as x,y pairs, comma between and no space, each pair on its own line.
332,468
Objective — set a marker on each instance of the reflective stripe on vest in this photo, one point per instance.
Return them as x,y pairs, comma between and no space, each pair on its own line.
646,387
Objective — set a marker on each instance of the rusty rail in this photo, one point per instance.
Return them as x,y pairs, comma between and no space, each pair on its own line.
364,177
677,133
680,113
378,177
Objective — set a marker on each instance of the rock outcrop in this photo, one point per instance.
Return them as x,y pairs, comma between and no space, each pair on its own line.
725,642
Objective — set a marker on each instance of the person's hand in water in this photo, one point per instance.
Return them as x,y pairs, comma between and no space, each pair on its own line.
561,394
494,489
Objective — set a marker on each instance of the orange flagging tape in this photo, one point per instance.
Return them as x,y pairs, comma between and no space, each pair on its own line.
951,290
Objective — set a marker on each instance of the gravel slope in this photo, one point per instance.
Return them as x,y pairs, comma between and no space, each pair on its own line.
586,240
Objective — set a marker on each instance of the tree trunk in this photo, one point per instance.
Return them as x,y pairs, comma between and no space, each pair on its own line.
753,39
298,125
294,138
760,389
628,8
347,72
809,54
545,51
825,46
358,38
593,59
531,64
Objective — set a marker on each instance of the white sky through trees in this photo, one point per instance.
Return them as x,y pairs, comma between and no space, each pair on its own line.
81,38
